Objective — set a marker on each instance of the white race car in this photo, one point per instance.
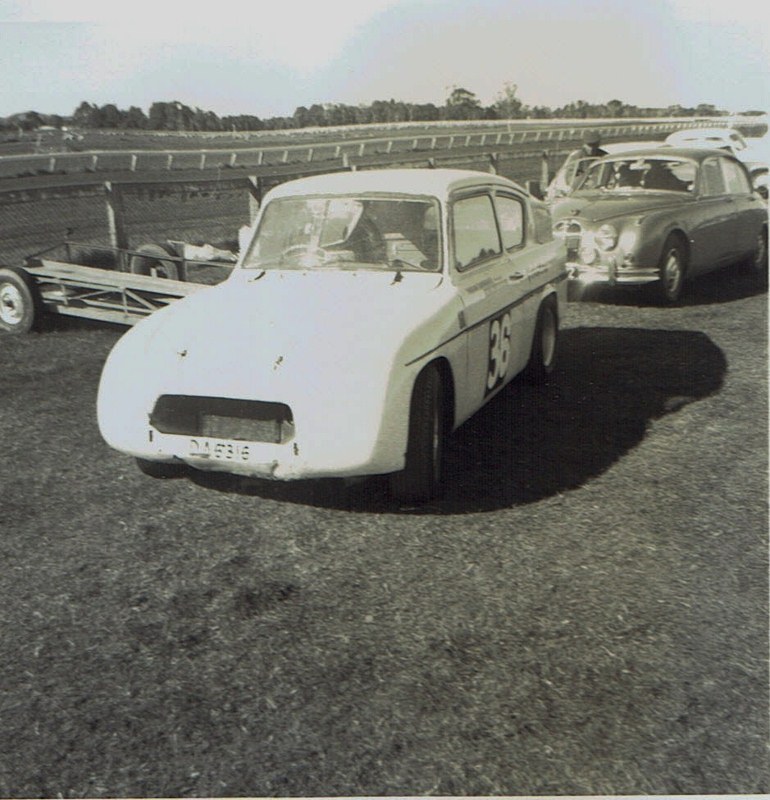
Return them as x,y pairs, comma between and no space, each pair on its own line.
370,314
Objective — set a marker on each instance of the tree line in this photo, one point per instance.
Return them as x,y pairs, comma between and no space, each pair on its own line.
461,104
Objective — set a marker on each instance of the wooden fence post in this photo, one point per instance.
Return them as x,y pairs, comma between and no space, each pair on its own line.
544,170
254,185
116,222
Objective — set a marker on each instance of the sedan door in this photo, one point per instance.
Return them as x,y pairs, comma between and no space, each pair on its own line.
492,288
715,219
747,212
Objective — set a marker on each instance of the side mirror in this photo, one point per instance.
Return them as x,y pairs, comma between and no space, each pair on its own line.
535,189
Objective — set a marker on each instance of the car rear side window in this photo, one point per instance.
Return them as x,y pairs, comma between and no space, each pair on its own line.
510,214
736,180
712,182
474,230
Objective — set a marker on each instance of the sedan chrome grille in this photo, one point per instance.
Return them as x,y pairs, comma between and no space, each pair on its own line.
223,418
572,233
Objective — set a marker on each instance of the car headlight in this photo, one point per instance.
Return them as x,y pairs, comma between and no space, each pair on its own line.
606,237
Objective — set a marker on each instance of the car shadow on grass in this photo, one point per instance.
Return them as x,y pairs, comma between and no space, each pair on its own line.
534,442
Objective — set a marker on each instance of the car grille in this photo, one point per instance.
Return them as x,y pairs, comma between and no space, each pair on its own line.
223,418
572,232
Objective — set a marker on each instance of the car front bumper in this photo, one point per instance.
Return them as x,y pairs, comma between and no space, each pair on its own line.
611,274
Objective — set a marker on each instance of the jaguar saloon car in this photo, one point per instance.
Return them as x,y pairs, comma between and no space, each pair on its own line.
662,216
369,315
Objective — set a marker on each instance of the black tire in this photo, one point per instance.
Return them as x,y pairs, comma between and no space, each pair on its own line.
160,469
421,478
672,269
20,303
152,259
756,263
542,356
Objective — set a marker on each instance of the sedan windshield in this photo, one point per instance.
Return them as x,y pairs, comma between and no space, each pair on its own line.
640,174
356,232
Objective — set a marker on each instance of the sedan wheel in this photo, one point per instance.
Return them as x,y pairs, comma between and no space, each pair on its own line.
542,356
672,270
421,478
757,263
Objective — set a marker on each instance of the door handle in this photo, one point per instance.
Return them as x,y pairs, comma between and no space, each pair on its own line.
515,276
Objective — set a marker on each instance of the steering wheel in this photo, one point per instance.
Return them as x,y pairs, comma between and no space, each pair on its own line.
309,249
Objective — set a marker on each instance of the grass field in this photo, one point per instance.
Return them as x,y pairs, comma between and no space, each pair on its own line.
585,612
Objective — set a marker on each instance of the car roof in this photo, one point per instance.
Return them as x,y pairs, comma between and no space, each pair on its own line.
692,153
695,133
433,182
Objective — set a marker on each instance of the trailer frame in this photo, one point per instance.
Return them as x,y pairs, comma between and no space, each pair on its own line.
51,286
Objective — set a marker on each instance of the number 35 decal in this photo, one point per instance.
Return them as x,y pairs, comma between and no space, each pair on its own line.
499,350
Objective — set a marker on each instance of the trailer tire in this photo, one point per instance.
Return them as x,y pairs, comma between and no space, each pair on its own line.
153,259
21,306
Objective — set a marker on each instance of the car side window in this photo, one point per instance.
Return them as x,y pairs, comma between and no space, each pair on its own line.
510,215
735,178
475,234
712,181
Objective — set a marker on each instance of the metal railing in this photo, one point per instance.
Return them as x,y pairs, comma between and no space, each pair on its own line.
438,142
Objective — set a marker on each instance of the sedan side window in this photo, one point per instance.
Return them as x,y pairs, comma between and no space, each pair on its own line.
510,213
475,231
712,182
736,180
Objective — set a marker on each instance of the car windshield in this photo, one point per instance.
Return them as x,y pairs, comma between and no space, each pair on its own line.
347,232
640,174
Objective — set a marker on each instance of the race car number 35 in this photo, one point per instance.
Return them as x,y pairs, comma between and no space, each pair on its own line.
499,350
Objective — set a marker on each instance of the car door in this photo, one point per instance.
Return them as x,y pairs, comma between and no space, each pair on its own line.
711,228
491,287
746,209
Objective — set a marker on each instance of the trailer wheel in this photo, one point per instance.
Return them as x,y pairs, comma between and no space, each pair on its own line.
152,259
20,303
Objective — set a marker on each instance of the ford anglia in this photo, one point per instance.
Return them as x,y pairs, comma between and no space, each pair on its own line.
369,315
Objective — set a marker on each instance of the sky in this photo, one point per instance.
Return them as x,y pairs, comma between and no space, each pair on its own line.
267,57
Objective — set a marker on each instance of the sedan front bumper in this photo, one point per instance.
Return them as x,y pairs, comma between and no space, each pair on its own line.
611,274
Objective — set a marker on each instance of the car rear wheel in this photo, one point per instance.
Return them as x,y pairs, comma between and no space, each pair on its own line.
20,304
152,259
757,262
160,469
672,269
542,358
421,478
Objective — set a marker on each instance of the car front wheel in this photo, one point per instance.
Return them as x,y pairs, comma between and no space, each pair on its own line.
421,478
672,270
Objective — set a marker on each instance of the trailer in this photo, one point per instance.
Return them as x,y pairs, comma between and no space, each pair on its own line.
139,282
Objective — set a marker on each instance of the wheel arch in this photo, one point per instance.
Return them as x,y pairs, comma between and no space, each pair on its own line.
677,232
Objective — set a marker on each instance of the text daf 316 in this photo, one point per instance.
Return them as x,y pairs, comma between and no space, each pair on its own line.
370,314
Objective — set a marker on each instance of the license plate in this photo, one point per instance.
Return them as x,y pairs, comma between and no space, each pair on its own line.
218,450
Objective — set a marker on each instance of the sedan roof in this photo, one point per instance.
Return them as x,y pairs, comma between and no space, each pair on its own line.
434,182
692,153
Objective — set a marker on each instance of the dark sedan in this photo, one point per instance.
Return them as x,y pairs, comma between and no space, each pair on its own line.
663,217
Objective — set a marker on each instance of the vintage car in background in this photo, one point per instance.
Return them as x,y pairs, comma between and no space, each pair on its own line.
754,152
662,216
727,139
577,162
370,314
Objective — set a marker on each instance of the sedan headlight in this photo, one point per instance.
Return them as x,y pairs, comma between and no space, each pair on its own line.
606,237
